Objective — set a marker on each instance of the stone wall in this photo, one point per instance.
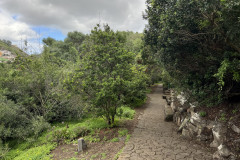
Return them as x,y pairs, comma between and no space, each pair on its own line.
192,125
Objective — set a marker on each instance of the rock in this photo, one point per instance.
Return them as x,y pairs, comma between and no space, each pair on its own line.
223,151
216,156
235,129
192,128
177,118
210,124
173,106
167,92
168,99
191,110
181,99
186,133
195,118
183,124
202,137
219,131
81,145
168,113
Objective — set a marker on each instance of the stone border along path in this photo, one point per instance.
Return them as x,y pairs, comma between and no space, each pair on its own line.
155,139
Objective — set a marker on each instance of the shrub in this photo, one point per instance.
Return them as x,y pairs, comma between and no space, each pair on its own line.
122,132
202,114
16,122
125,112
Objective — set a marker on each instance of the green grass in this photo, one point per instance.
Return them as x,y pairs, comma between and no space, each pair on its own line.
40,148
104,155
41,152
118,154
3,59
127,138
122,132
114,139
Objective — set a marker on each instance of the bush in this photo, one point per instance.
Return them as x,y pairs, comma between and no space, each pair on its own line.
16,122
3,150
125,112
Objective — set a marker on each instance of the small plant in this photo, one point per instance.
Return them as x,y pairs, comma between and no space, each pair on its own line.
127,138
92,138
122,132
202,114
125,112
104,155
118,154
94,156
234,111
105,138
62,135
223,117
115,139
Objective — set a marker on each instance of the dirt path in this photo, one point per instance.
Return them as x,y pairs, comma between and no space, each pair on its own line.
155,139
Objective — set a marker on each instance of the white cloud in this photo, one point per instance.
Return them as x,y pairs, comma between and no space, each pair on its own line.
80,15
14,30
66,16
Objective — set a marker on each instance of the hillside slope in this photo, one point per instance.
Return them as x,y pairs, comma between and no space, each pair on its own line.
8,52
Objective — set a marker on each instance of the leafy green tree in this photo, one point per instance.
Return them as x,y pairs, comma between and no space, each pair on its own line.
105,74
198,43
69,49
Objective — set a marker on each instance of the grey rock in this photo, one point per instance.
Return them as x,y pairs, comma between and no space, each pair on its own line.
172,105
168,113
219,131
81,145
186,133
235,129
183,124
224,151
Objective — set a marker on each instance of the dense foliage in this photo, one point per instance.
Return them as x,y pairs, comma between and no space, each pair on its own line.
69,80
106,76
198,43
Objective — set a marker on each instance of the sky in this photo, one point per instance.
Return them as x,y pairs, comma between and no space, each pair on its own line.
33,20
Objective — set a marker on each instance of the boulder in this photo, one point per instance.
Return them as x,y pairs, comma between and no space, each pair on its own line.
223,153
172,105
183,124
235,129
81,145
186,133
219,131
168,112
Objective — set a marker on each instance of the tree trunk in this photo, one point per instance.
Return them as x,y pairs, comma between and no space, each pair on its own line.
113,116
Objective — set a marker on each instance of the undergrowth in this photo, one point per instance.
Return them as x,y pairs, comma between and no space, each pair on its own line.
60,133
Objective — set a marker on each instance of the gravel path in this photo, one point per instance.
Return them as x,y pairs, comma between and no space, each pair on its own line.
155,139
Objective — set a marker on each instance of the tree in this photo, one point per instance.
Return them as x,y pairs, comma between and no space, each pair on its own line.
69,49
105,72
198,43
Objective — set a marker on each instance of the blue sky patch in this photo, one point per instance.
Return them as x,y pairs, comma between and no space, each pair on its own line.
49,32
